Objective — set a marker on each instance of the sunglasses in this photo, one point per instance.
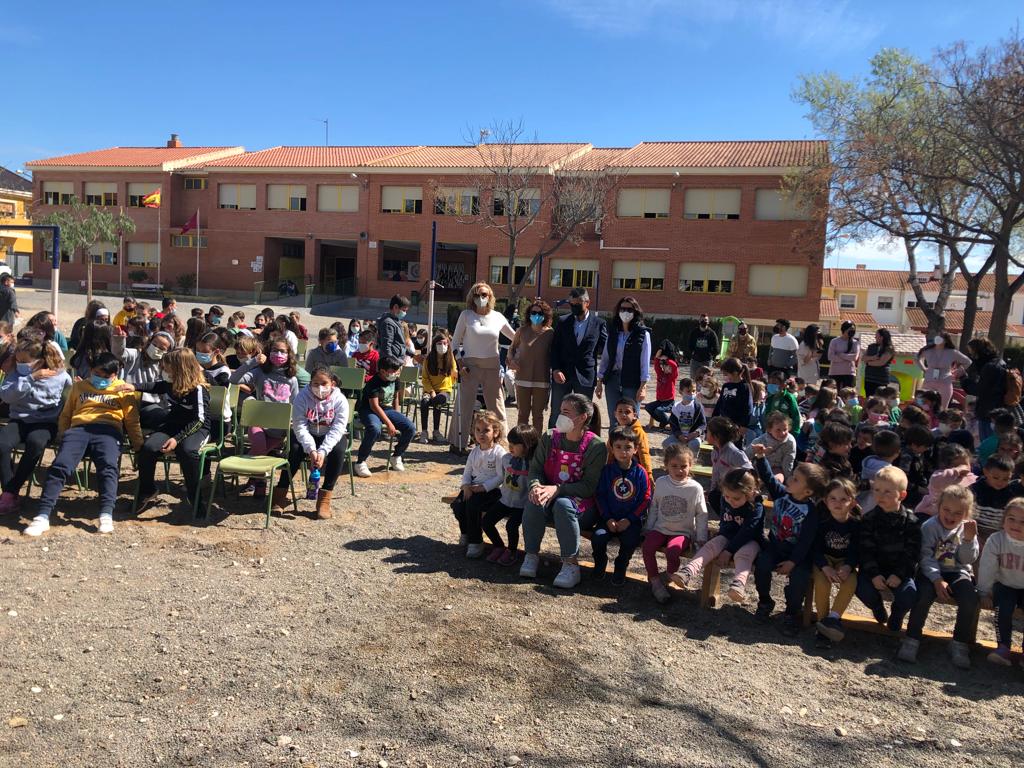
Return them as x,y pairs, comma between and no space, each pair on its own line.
481,295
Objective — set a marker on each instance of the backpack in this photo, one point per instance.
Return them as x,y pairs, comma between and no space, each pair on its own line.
1014,387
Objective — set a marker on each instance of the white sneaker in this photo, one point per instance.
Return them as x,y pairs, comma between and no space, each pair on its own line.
528,570
106,524
38,526
473,551
362,470
397,464
438,437
568,577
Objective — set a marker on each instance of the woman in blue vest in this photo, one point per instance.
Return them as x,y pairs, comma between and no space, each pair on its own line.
625,364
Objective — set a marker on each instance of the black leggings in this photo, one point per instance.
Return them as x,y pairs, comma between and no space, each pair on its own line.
496,514
437,401
332,463
187,452
36,436
469,513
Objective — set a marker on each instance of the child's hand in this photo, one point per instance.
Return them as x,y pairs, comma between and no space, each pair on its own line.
467,492
391,429
623,524
759,450
261,359
169,446
970,530
986,602
831,574
879,583
124,388
723,558
44,373
941,589
119,331
785,567
844,572
893,581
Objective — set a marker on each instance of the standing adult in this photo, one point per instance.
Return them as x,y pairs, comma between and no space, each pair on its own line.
808,354
8,300
475,343
577,347
877,362
625,365
530,358
937,361
563,478
704,345
782,355
986,380
844,356
390,332
91,311
743,345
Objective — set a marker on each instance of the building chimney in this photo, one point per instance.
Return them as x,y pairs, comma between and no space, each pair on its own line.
859,266
174,141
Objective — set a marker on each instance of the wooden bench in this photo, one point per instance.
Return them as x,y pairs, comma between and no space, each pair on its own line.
149,289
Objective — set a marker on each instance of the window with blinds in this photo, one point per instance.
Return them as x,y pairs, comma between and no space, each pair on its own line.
720,204
337,198
188,241
143,254
286,197
499,271
643,203
711,277
100,193
462,201
525,202
638,275
770,280
195,182
103,254
569,273
401,200
138,190
241,197
775,205
58,192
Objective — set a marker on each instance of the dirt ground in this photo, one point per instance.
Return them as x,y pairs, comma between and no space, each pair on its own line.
370,640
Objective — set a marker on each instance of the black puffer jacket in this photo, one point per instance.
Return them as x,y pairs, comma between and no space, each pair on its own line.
889,543
986,380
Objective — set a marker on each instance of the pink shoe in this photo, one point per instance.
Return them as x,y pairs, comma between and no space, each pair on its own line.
495,555
8,503
509,557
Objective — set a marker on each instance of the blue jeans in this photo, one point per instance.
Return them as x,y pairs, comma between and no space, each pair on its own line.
659,411
103,443
568,524
1005,600
798,580
373,427
904,597
629,540
613,392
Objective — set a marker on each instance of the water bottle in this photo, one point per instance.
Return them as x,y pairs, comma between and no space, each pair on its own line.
313,486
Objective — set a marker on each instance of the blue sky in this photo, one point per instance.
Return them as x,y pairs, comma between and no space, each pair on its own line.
610,72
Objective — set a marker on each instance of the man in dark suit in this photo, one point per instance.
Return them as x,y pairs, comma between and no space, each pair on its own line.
576,350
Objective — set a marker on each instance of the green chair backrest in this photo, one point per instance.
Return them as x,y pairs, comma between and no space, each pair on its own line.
349,379
301,351
217,397
410,374
266,414
233,394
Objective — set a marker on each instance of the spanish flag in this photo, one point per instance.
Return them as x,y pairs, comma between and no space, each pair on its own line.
152,200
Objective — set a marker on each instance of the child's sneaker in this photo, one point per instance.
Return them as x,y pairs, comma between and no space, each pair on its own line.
737,592
832,628
361,469
908,650
495,555
764,611
821,642
397,464
682,578
439,439
531,562
473,551
568,577
8,503
659,591
463,540
38,526
790,625
1001,656
508,557
618,578
960,654
106,523
248,489
600,568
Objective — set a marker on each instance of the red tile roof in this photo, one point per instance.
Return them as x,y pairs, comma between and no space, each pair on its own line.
828,309
308,157
598,159
137,157
481,155
893,279
861,319
955,322
721,154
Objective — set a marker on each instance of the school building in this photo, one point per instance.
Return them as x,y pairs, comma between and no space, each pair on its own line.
689,227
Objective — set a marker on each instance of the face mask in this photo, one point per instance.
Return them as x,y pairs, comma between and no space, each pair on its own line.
331,346
364,347
563,423
938,341
892,402
129,310
920,403
322,391
390,376
99,382
945,429
442,349
853,402
214,319
852,332
626,317
773,389
482,301
154,352
166,377
278,358
536,319
704,323
577,309
204,358
686,399
743,331
356,330
402,314
24,368
875,418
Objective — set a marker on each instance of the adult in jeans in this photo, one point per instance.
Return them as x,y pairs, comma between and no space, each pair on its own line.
937,360
986,380
844,356
782,355
475,343
563,478
703,347
625,363
576,348
530,358
877,360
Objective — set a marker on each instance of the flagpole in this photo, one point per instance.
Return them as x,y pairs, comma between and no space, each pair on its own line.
120,260
159,243
199,237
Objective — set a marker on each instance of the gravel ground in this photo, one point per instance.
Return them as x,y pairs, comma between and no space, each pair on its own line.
370,640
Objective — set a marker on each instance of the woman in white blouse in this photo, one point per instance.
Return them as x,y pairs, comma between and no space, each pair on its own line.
475,344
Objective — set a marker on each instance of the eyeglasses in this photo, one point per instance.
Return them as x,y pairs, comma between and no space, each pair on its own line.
481,295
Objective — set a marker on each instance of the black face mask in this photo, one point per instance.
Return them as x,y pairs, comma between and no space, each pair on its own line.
743,331
577,309
704,323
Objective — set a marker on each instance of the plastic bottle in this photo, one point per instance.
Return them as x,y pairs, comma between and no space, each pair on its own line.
313,486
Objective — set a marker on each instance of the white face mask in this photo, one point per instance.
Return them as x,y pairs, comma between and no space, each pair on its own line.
938,341
154,352
563,423
945,429
166,377
442,349
364,347
626,317
322,391
482,301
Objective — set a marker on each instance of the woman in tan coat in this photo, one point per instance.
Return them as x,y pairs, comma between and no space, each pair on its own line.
530,358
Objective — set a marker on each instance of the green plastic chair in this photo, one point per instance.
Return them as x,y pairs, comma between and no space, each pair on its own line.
213,450
350,380
259,413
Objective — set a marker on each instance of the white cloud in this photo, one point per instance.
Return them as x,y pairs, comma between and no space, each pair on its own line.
808,24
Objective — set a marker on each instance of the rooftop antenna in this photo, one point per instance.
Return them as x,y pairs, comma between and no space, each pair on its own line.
484,133
326,123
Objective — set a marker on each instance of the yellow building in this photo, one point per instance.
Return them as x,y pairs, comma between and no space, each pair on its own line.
15,208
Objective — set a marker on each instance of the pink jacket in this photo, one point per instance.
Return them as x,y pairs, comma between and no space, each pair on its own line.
841,362
939,481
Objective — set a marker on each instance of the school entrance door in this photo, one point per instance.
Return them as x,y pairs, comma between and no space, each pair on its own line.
337,268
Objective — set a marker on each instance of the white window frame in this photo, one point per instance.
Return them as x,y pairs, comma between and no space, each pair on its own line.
236,190
646,211
891,300
843,304
628,275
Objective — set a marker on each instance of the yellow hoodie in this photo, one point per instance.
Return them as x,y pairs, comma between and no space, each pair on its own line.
87,405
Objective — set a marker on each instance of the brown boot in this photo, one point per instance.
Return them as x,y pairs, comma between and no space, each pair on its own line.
280,501
323,505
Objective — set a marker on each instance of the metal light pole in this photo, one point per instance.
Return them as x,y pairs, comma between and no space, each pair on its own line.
433,270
